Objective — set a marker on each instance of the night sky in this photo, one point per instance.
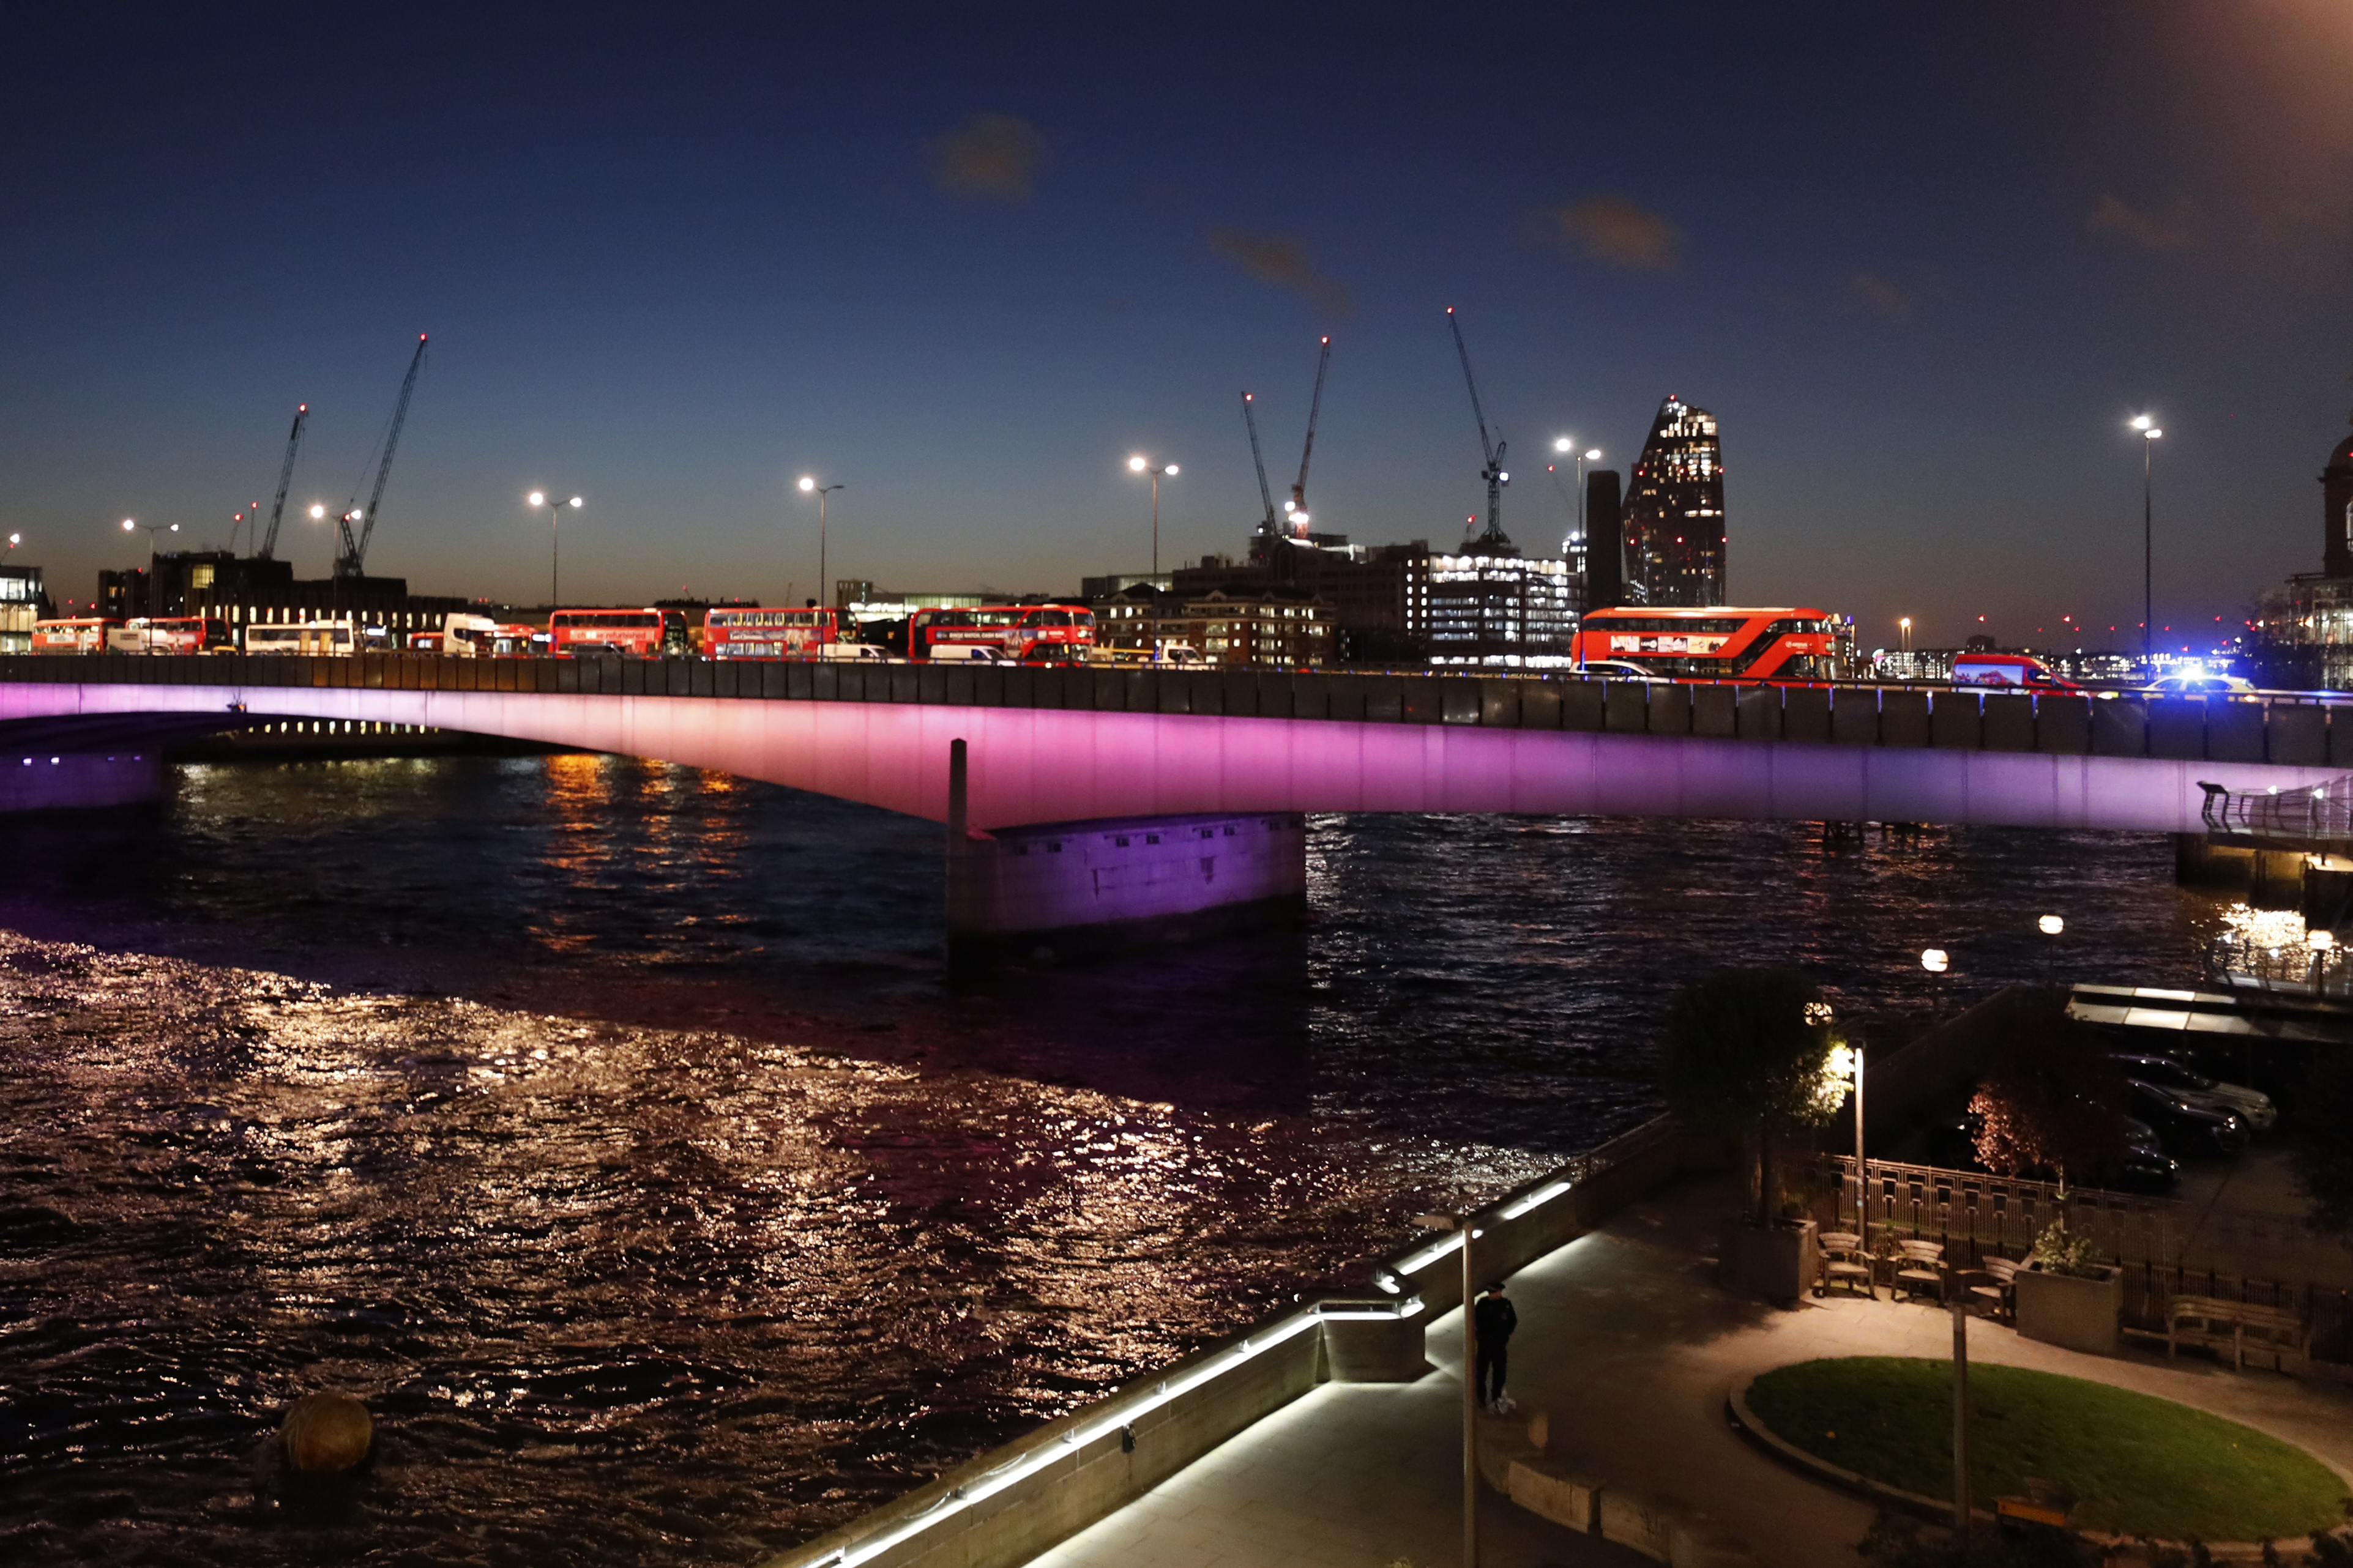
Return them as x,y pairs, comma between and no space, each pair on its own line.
1922,267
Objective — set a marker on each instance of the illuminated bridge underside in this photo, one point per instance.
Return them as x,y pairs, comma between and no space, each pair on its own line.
1031,765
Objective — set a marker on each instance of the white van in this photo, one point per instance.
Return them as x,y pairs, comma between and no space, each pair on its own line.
969,653
858,652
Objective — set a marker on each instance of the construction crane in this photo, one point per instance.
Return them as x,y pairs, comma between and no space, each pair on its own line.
1493,472
352,560
285,478
1298,507
1265,496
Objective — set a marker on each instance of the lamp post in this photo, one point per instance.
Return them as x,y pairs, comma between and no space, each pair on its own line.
1904,625
1141,465
1461,1224
1591,455
1847,1061
810,487
554,541
2050,926
2148,438
153,528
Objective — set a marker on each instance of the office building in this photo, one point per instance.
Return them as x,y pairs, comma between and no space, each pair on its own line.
1673,517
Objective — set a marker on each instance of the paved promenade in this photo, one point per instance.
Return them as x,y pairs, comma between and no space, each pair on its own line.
1630,1348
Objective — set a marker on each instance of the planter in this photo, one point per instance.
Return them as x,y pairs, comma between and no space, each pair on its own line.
2076,1314
1777,1265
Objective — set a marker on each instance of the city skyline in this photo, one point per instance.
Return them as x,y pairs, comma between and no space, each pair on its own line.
1923,307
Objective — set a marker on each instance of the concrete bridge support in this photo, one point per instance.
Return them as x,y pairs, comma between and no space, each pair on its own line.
77,781
1085,889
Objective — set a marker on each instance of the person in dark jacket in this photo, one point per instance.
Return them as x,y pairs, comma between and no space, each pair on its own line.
1495,1320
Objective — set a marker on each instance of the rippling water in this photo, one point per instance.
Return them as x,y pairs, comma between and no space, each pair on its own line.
610,1126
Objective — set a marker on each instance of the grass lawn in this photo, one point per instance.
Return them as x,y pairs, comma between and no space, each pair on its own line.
2139,1465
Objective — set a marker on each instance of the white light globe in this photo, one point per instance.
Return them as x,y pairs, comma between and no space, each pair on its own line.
1935,960
2050,925
538,498
1135,464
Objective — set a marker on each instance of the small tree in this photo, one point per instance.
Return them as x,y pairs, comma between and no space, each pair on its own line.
1748,1055
2323,1156
2051,1098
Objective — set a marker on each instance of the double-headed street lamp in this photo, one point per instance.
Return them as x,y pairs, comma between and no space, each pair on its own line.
1591,455
810,486
554,542
1144,466
2149,434
129,526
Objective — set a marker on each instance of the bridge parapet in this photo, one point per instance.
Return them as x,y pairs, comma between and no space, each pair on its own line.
2288,730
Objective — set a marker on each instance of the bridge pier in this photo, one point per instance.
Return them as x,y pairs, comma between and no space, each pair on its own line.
1082,889
77,781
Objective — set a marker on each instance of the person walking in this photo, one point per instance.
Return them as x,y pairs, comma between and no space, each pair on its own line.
1496,1318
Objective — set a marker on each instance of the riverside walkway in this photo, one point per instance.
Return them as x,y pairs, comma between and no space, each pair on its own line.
1628,1345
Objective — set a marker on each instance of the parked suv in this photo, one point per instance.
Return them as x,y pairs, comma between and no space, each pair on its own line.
2187,1125
2251,1106
2145,1167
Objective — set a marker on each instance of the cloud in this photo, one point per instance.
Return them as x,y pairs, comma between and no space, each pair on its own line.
1616,232
1281,261
995,156
1882,296
2172,229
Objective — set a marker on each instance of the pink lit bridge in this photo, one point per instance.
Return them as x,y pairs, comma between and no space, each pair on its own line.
1091,798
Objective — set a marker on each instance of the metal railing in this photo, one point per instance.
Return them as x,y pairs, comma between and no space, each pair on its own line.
1977,1216
2237,962
2298,818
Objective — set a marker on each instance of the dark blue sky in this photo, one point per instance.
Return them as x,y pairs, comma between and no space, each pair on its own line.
1923,268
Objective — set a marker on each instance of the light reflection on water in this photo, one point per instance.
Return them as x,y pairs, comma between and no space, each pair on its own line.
608,1125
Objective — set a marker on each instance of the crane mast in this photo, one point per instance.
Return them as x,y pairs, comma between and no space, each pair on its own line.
1299,490
352,561
1265,496
1492,449
285,479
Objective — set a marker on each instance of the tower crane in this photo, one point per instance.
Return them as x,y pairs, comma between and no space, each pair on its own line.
1298,507
350,561
1265,496
285,478
1493,472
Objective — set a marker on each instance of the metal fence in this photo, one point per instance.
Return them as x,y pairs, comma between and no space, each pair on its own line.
1974,1216
2310,818
2237,962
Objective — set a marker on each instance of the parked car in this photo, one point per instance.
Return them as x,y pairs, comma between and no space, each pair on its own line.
2144,1168
2251,1106
2189,1127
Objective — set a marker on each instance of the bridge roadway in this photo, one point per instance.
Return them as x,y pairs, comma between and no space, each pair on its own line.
1070,746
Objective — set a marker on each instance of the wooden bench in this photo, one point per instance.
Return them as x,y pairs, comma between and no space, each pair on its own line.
2275,1332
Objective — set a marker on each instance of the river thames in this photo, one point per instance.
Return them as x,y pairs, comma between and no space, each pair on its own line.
610,1128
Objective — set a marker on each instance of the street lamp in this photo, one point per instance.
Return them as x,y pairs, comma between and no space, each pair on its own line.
1591,455
1462,1225
1906,625
1935,960
555,543
1143,466
810,487
2149,434
1846,1061
153,529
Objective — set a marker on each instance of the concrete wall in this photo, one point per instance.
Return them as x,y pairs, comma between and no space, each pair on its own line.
1039,765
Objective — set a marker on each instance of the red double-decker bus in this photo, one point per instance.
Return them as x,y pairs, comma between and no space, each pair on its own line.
84,633
635,634
1712,642
737,631
1025,633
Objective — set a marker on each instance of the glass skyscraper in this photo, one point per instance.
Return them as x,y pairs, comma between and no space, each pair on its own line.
1673,511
